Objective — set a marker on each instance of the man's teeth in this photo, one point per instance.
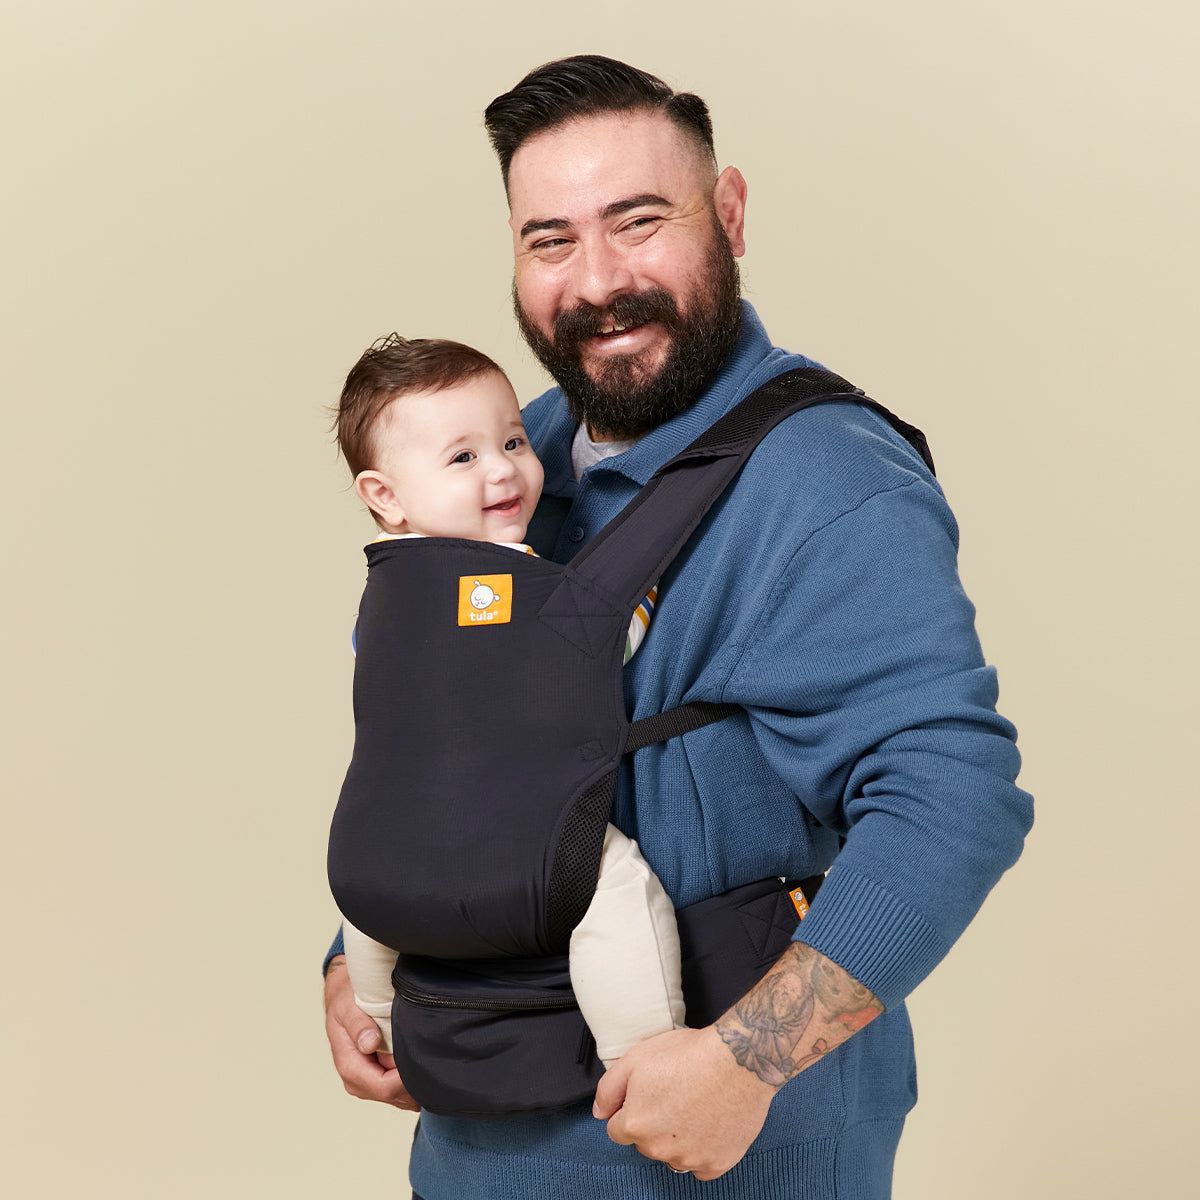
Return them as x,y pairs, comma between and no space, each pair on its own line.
612,328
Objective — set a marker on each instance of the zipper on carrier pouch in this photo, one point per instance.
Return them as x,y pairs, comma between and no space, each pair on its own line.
429,1000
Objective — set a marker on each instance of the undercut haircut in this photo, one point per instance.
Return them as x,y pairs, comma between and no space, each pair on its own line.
588,85
394,366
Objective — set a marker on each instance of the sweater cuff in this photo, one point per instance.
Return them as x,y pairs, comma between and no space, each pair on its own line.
337,948
872,935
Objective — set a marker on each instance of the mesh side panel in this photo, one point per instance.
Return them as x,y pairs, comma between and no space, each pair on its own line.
577,861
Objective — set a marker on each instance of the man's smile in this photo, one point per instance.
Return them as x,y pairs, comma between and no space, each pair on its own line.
614,337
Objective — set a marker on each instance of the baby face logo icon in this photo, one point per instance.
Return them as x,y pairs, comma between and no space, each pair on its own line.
482,596
484,599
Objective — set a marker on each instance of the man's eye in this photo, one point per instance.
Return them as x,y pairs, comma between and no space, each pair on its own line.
463,456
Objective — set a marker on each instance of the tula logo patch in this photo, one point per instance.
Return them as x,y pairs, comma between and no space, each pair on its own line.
484,599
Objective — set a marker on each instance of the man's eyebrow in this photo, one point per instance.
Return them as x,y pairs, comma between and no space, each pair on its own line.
617,207
547,223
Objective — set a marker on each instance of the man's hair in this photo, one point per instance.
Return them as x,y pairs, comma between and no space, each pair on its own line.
587,85
392,367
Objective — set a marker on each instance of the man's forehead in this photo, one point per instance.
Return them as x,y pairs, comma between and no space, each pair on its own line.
597,161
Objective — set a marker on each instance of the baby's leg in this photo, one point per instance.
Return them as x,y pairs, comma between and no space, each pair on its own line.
625,954
370,965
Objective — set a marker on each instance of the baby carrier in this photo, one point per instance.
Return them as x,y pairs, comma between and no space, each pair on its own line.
489,725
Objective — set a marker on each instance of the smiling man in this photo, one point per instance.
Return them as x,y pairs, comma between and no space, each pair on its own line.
821,596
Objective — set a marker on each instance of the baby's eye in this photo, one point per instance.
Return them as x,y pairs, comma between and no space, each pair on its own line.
513,443
463,456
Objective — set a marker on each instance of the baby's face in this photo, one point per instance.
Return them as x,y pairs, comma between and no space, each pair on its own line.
459,462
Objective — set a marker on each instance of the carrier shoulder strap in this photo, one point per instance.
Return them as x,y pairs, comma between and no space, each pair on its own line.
638,545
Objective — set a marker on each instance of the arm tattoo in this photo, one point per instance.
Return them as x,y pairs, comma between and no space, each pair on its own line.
766,1030
768,1023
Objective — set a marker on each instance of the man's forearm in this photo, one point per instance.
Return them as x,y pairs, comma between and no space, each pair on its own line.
803,1007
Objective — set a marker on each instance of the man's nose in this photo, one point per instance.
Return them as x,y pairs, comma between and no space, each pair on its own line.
601,273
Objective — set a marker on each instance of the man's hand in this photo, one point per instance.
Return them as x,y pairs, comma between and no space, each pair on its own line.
682,1098
697,1098
354,1039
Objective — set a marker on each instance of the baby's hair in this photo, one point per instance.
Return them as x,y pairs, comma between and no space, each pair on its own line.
390,368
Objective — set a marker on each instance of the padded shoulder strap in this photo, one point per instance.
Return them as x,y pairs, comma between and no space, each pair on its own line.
635,548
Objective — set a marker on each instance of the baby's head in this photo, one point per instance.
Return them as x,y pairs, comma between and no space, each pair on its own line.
432,433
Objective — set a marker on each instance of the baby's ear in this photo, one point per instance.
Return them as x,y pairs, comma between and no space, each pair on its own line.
376,493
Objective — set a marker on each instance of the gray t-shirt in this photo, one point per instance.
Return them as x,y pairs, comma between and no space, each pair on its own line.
586,453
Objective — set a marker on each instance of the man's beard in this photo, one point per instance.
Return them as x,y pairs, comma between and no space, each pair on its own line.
623,400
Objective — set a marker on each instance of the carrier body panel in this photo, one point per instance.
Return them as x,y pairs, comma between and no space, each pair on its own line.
476,740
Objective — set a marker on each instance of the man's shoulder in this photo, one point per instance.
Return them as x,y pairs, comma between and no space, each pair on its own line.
843,431
823,462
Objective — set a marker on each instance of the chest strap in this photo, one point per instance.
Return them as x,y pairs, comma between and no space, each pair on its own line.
658,727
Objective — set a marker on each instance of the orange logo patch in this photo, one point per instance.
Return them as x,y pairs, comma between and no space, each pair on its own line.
799,903
484,599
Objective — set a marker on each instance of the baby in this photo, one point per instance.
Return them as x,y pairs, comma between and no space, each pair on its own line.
432,432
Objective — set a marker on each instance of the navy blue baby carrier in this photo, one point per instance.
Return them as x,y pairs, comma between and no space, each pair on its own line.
489,725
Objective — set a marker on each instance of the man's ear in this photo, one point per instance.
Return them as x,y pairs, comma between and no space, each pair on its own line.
376,493
729,201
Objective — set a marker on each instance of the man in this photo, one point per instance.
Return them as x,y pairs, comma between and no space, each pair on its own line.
821,595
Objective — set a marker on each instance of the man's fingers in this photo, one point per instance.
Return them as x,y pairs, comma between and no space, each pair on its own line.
685,1101
365,1079
359,1028
366,1035
610,1093
349,1029
361,1077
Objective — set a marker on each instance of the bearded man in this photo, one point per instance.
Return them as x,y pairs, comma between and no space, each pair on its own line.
820,594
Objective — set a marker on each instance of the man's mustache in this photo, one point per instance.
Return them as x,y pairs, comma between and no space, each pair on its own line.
635,308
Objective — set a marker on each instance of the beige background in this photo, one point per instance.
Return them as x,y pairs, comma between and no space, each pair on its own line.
984,213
